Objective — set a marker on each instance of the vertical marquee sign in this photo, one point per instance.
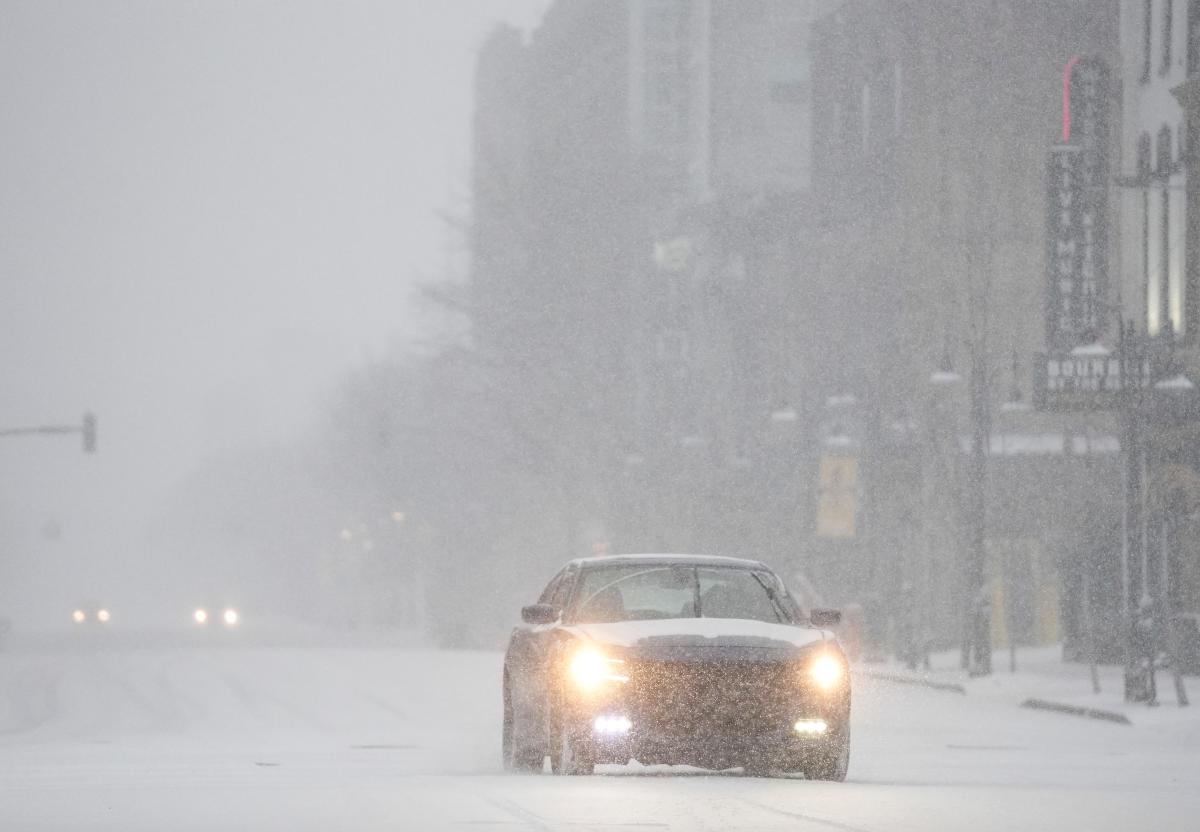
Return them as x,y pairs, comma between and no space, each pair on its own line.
1077,217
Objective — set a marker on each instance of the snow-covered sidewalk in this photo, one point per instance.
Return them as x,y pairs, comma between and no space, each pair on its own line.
1042,675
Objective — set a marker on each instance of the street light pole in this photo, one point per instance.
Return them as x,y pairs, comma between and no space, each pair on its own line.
943,440
1177,392
1129,447
977,653
1168,619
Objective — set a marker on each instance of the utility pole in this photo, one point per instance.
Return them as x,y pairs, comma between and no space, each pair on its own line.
1172,643
977,653
1135,683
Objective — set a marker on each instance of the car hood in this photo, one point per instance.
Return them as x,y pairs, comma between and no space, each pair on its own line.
703,634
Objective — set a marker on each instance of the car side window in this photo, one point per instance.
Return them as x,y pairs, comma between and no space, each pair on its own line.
548,593
562,591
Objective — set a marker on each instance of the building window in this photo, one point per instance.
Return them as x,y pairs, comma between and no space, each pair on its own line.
1164,260
1144,169
1147,38
1152,318
1144,163
1164,218
1193,42
1164,161
1168,25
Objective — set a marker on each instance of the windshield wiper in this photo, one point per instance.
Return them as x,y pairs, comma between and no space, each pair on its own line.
773,595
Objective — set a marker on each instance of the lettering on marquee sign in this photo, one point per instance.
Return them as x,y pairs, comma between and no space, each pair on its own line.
1065,382
1077,222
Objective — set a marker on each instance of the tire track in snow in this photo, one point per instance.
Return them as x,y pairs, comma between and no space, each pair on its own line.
818,821
162,716
531,819
540,824
33,701
384,705
181,699
262,705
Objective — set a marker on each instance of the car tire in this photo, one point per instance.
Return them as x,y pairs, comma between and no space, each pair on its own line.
572,756
830,760
516,756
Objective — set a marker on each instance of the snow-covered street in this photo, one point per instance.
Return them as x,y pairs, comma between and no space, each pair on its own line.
393,739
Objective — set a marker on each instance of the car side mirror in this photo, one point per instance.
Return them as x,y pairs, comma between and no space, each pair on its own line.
539,614
825,618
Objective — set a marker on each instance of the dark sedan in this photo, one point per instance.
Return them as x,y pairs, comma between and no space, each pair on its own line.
675,659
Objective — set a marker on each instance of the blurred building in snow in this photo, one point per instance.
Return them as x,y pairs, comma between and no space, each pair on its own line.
709,237
1159,288
932,132
633,245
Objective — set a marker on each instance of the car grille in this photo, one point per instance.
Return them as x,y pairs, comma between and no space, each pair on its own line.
702,698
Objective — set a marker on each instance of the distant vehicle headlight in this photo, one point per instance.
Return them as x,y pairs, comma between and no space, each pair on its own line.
79,616
200,616
827,672
590,669
230,617
102,616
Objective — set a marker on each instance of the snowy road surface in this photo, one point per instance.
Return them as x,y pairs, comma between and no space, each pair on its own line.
380,739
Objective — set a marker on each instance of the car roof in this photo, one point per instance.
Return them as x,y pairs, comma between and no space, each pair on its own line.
698,560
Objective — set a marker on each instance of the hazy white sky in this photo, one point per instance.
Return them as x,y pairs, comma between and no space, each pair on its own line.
207,210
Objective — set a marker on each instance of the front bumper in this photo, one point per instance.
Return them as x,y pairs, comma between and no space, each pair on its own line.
716,752
711,715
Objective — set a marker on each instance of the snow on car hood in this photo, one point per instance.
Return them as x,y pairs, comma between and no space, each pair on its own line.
701,632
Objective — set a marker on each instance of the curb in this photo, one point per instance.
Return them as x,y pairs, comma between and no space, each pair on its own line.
951,687
1076,710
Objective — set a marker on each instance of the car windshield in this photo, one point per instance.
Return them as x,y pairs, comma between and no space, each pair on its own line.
641,592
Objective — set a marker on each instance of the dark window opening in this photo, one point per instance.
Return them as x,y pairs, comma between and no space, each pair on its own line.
1164,261
1146,244
1144,163
1164,162
1147,39
1168,25
1164,258
1193,41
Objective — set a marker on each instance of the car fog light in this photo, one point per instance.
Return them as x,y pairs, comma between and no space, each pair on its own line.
612,725
810,727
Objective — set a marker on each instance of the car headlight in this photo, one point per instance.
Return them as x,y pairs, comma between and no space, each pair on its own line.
103,616
79,616
230,617
200,616
827,671
590,669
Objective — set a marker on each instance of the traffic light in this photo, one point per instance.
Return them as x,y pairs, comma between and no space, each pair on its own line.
89,433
